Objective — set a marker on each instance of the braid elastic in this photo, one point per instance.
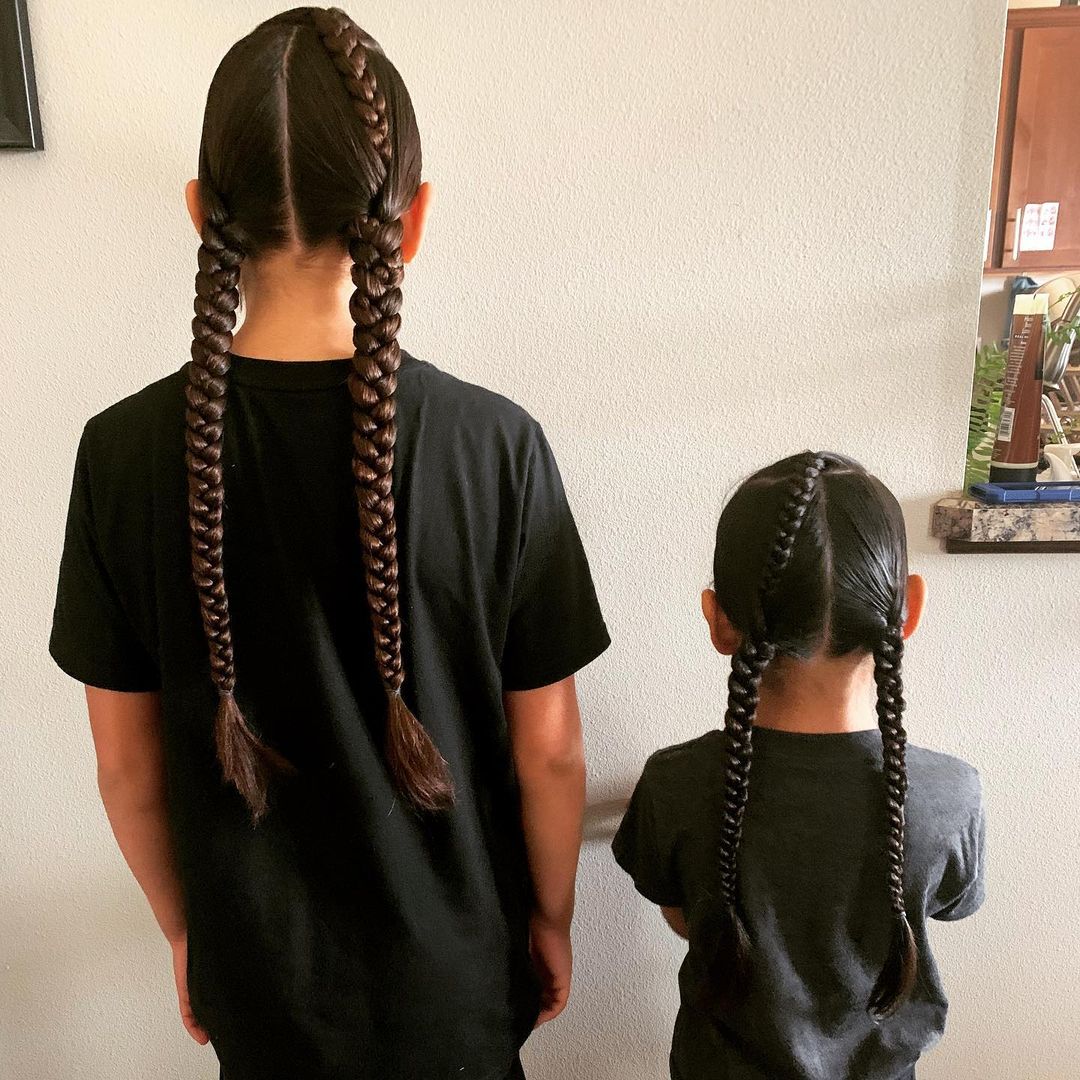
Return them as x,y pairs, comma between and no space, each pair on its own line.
897,977
246,761
375,247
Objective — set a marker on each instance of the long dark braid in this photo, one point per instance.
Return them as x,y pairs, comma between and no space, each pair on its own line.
246,761
727,940
419,769
897,977
262,189
833,579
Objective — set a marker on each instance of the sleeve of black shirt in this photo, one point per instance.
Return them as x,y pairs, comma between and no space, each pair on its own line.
92,638
644,846
963,884
555,626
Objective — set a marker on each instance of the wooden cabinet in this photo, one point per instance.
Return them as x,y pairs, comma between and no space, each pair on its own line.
1037,152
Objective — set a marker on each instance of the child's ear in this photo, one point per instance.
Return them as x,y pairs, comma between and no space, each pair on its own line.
725,638
916,604
194,205
414,221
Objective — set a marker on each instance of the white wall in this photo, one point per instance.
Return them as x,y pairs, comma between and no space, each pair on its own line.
689,241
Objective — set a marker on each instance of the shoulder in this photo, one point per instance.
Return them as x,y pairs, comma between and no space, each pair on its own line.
686,771
127,429
944,773
471,410
942,788
671,804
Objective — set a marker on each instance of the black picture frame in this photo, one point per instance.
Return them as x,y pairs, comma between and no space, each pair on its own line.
20,122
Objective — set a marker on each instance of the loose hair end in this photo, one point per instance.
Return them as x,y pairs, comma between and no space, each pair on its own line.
246,761
419,770
727,961
897,978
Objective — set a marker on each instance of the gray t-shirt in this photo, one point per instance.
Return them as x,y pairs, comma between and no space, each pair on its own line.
812,886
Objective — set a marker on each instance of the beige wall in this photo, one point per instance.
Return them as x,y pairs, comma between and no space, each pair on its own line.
689,242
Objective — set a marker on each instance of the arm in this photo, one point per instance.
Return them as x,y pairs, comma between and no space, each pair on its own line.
647,845
677,921
545,736
131,780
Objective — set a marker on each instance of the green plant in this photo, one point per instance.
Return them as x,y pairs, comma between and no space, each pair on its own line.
1060,335
986,390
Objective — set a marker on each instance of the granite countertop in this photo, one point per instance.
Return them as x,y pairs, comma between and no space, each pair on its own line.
970,522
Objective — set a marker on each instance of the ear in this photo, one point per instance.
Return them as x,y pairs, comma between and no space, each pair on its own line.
414,221
916,604
725,638
194,205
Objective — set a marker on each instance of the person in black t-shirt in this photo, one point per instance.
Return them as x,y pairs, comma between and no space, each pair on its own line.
802,850
329,650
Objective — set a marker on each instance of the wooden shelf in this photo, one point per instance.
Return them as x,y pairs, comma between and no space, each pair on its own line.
1032,271
1020,18
1011,547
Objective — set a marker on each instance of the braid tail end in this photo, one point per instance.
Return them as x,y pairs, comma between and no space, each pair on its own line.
415,762
897,978
726,970
246,761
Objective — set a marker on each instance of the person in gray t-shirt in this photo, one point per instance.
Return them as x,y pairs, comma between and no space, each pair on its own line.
802,850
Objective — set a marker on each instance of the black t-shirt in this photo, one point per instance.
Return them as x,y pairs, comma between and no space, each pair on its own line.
345,937
812,888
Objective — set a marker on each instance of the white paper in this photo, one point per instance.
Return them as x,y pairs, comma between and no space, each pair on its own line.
1039,226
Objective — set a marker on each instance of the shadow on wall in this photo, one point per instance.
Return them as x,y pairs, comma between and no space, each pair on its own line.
602,819
622,1010
625,971
918,516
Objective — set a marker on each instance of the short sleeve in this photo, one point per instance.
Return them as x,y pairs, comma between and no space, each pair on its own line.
963,884
555,626
92,638
645,847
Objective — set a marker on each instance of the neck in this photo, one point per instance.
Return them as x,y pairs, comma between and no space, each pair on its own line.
296,305
820,696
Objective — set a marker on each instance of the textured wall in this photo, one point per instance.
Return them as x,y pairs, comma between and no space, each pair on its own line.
689,241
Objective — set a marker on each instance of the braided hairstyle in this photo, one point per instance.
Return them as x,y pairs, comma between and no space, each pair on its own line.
898,975
309,140
810,556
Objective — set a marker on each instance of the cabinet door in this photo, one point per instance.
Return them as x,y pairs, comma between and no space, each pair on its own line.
997,225
1045,165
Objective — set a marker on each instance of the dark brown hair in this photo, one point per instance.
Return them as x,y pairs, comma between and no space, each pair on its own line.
309,138
811,555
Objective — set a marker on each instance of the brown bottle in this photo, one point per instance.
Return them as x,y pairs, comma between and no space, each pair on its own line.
1016,452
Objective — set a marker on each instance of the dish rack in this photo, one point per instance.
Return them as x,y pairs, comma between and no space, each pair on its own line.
1066,399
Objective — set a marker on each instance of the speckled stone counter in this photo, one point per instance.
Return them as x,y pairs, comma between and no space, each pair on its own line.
967,525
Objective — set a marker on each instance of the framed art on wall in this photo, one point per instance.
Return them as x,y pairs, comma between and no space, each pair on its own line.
20,124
